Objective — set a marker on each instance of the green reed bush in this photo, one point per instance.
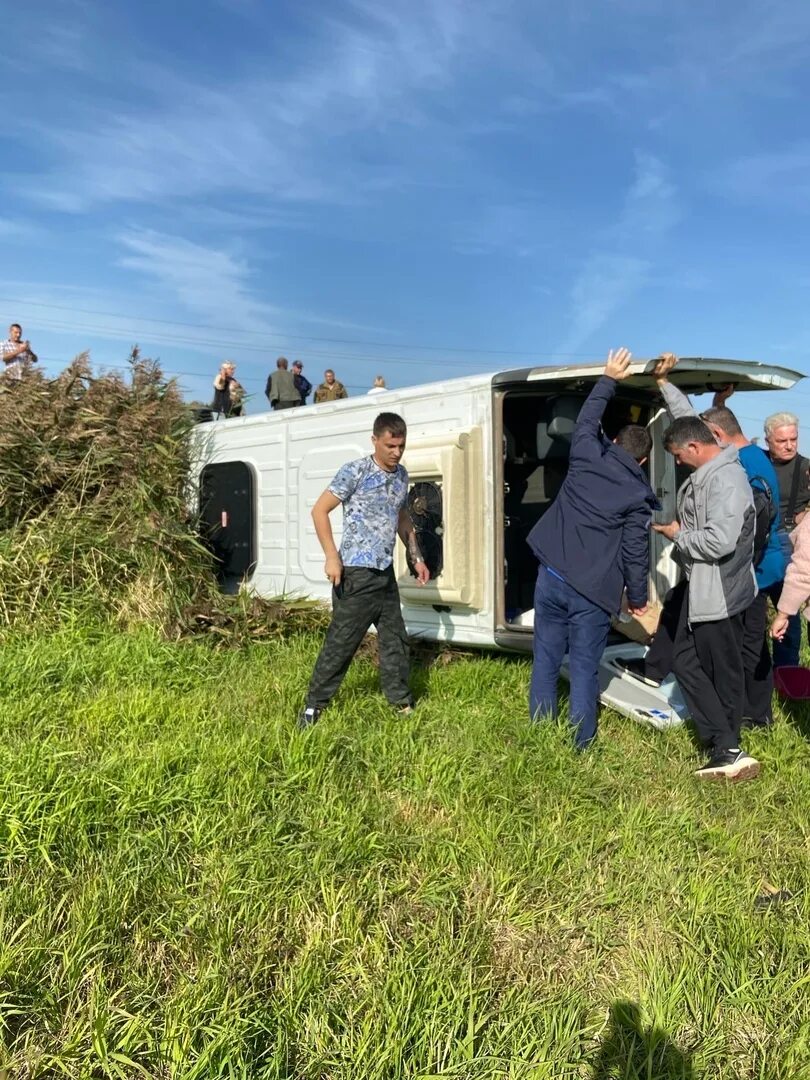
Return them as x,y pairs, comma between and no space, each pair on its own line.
94,510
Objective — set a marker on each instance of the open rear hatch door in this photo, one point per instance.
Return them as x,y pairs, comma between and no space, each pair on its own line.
692,374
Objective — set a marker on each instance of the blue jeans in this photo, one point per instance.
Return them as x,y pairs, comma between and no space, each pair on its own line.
786,652
565,621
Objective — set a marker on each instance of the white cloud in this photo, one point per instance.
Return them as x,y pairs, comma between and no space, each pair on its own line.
208,282
619,267
283,137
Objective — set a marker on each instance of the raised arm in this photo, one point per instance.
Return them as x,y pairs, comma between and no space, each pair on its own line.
587,439
677,403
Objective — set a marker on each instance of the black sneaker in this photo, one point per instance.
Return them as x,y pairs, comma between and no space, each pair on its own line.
760,722
637,668
308,716
731,765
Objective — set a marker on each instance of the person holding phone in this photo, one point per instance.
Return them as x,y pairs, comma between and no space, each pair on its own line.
15,353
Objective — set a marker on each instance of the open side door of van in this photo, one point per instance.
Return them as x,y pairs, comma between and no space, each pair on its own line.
534,410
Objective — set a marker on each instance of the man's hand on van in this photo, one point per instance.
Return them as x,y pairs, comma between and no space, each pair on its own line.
722,395
665,363
670,531
618,364
334,569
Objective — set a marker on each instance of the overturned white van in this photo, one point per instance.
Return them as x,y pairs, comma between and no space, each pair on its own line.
486,456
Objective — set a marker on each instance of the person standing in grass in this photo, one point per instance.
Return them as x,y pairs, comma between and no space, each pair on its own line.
373,491
795,589
714,540
782,440
769,559
592,543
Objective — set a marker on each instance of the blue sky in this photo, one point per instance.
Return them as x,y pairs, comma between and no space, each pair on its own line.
415,188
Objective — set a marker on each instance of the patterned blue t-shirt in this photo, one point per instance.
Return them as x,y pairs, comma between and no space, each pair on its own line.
372,499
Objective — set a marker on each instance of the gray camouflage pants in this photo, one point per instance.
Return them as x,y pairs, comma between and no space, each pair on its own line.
364,597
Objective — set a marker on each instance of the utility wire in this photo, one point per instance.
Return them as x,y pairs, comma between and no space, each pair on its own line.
230,331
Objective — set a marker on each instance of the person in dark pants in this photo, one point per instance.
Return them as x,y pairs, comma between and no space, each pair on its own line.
373,491
793,471
591,543
228,393
714,538
769,560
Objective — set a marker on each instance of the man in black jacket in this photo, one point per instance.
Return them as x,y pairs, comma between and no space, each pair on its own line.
302,383
591,543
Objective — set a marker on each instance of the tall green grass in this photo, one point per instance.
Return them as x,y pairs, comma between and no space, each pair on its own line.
192,888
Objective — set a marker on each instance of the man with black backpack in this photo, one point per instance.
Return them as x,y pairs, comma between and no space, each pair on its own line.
769,559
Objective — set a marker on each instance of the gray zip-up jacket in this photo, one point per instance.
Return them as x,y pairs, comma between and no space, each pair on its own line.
715,545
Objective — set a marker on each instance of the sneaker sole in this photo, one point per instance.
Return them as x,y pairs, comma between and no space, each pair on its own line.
749,771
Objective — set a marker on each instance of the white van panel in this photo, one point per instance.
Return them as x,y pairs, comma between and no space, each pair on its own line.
451,430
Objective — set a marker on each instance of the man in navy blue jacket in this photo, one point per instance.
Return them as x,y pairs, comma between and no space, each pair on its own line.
592,543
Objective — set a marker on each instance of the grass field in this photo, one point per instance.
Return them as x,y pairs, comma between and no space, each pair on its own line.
191,888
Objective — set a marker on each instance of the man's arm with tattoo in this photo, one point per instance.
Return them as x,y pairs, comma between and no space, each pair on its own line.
407,535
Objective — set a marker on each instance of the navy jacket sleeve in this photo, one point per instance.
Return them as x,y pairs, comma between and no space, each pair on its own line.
635,555
588,440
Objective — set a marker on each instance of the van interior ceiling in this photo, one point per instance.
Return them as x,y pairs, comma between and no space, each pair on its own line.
537,431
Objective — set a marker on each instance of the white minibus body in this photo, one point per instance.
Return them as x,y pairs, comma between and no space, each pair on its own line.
486,455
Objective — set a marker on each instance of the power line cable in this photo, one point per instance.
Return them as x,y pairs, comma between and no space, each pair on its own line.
292,337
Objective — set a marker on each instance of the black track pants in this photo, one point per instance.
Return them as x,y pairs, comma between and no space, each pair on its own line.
364,597
708,664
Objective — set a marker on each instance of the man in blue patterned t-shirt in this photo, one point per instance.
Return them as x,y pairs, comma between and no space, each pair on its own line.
373,491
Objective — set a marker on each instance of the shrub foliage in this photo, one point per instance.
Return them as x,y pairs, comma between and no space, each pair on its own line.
94,515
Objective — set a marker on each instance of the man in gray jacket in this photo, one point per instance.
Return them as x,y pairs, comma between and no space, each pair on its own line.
714,541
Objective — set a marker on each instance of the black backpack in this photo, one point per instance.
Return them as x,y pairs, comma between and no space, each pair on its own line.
766,509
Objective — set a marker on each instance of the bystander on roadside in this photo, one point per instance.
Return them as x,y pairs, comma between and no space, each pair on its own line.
228,392
302,383
331,389
15,353
281,391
